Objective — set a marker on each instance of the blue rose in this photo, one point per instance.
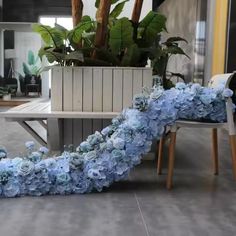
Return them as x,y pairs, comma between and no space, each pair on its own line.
140,102
96,173
118,143
76,161
25,168
118,154
90,155
3,153
11,189
95,139
85,147
30,145
35,157
227,93
44,150
180,86
63,178
4,176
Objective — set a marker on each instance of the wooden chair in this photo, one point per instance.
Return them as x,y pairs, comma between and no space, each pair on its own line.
230,81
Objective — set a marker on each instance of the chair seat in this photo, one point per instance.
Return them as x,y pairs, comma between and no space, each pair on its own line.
198,124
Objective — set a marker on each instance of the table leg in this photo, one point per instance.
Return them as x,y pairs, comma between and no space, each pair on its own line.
54,134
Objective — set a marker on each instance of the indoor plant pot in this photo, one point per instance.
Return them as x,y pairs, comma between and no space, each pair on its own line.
111,55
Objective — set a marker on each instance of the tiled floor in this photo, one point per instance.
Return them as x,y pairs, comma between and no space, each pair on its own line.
199,204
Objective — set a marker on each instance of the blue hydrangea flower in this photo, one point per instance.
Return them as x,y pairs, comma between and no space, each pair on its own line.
44,150
3,153
25,168
30,145
109,156
140,102
227,93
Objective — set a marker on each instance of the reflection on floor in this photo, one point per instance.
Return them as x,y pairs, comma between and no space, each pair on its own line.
199,204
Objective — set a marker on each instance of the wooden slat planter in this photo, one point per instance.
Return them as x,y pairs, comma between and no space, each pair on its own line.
94,89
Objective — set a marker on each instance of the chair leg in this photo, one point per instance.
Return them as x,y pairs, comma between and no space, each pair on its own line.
214,151
160,156
171,160
233,151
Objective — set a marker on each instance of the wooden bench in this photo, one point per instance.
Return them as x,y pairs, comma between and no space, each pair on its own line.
51,121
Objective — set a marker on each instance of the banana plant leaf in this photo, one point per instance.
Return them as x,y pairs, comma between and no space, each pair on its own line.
131,56
175,39
76,34
118,9
173,50
106,55
121,36
26,69
62,29
51,55
75,56
95,62
153,24
31,58
51,36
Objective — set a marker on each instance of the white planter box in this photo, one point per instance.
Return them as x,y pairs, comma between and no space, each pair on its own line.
94,89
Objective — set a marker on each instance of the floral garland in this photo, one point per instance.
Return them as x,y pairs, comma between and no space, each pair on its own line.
109,155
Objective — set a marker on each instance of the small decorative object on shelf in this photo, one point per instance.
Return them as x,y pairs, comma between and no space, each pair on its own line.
33,81
5,93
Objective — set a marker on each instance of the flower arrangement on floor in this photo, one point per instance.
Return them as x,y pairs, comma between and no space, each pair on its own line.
109,156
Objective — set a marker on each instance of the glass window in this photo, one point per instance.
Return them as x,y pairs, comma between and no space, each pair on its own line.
63,21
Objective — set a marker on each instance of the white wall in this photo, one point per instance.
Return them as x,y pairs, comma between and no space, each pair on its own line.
181,21
89,8
25,41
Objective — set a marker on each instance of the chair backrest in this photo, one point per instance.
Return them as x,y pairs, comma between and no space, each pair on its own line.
227,81
221,80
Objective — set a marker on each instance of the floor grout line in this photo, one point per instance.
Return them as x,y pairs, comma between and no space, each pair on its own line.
143,220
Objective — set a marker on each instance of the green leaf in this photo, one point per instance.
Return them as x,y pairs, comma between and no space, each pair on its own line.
76,55
31,58
88,39
75,35
132,56
86,18
98,2
175,50
35,70
95,62
152,24
26,69
51,36
176,39
121,36
118,9
51,55
62,29
106,55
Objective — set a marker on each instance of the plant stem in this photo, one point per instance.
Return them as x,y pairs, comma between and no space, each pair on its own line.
137,11
77,11
102,22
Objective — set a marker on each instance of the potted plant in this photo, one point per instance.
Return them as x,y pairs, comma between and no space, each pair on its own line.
108,58
32,68
5,93
102,63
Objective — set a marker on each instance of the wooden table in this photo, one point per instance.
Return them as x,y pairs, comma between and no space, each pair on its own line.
51,121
